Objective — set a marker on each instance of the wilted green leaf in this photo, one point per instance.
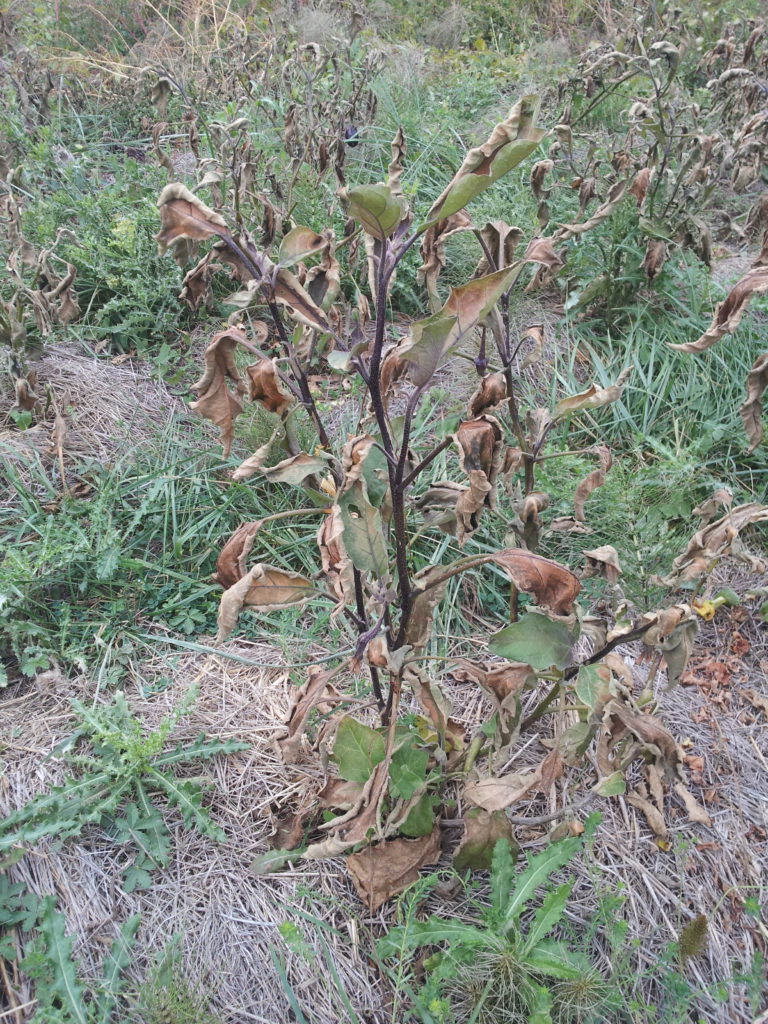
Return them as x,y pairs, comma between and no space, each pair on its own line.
363,531
407,770
535,640
357,750
612,785
377,209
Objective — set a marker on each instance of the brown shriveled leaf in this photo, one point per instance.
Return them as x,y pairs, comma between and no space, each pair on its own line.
592,481
650,739
196,286
592,398
728,313
183,215
479,445
673,633
215,401
536,333
694,809
602,213
289,290
718,539
752,409
492,391
425,598
323,282
310,694
482,830
357,824
510,142
339,794
395,169
433,253
542,251
603,561
500,681
501,241
470,503
655,258
652,814
255,462
335,561
494,794
553,586
230,565
267,388
263,588
639,186
387,869
298,244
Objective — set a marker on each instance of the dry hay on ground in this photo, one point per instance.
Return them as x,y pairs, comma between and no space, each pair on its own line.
107,407
229,917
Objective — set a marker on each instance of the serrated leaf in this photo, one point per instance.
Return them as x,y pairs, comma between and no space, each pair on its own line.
357,749
115,965
539,869
429,933
548,915
554,960
187,796
502,873
58,952
535,640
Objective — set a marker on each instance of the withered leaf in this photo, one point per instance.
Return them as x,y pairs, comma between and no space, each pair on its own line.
433,253
183,215
536,333
752,409
592,398
553,586
310,694
601,213
263,588
603,561
216,402
494,794
491,391
267,388
387,869
230,565
482,830
501,241
510,142
592,481
719,538
298,244
426,597
395,169
655,258
728,313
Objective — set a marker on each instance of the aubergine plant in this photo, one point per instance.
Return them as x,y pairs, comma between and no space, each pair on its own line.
374,493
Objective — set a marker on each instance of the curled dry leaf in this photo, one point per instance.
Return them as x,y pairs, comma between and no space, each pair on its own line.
728,313
655,258
470,503
433,253
553,586
387,869
752,409
335,561
639,186
360,822
395,169
298,244
216,402
708,509
592,398
426,596
603,561
310,694
592,481
510,142
492,391
673,633
263,588
479,444
499,680
230,565
494,794
602,213
536,333
718,539
183,215
267,388
500,240
196,286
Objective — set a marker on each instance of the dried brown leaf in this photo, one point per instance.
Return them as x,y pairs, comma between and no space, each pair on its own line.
492,391
718,539
263,588
267,388
592,481
305,699
553,586
216,402
603,561
433,253
592,398
387,869
183,215
230,565
494,794
752,409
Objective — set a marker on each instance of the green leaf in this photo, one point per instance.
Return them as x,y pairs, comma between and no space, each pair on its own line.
115,965
430,933
273,860
554,960
363,531
357,750
298,244
421,818
407,770
540,1012
187,796
58,958
590,687
502,873
548,915
535,640
612,785
538,871
429,345
482,831
511,142
377,209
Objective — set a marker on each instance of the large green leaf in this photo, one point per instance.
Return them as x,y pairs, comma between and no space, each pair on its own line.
535,640
548,915
377,209
428,346
555,960
363,530
407,770
357,750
